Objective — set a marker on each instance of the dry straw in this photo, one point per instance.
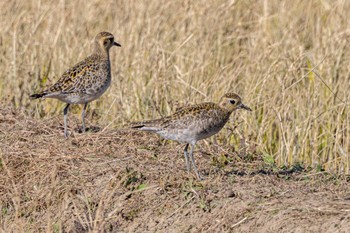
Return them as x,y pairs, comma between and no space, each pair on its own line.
288,59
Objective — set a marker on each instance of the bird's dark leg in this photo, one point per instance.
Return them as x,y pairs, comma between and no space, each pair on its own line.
83,116
65,111
193,163
186,158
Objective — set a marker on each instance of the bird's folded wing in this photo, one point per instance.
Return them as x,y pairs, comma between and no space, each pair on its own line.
74,77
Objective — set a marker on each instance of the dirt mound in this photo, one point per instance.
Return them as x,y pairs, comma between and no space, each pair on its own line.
116,180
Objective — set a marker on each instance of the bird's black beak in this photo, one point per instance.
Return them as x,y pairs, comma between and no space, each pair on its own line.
117,44
245,107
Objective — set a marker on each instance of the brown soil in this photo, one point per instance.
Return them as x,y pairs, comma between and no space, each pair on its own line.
114,180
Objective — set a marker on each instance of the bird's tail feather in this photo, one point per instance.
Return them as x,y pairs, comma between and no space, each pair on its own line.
151,125
38,95
136,126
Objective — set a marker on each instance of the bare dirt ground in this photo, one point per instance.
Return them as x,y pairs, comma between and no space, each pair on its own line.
115,180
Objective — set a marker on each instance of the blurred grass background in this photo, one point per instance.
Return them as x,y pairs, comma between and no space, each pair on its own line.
289,60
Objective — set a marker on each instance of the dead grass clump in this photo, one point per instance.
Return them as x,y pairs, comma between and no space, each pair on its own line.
120,180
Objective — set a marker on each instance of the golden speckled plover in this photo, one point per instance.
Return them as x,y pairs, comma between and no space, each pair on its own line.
86,81
191,124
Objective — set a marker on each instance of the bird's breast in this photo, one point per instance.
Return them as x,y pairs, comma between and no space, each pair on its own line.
208,126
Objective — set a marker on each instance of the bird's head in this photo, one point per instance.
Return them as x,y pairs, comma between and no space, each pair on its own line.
232,102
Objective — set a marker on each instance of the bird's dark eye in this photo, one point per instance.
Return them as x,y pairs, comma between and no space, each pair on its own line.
232,101
105,42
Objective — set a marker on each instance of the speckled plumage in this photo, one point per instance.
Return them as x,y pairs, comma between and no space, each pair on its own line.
87,80
191,124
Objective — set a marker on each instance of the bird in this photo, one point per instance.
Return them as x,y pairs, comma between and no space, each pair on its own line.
86,81
190,124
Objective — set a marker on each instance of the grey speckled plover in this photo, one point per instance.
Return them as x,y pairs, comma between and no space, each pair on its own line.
193,123
86,81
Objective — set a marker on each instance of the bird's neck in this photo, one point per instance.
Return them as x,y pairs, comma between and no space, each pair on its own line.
223,106
102,52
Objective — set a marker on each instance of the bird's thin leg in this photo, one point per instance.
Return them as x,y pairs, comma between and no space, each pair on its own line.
193,163
65,111
83,116
186,158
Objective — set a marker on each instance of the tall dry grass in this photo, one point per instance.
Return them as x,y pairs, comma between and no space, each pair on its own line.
288,59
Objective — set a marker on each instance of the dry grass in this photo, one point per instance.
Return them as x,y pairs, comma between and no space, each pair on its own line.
126,181
289,60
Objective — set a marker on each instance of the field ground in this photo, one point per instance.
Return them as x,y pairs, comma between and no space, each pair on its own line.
117,180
